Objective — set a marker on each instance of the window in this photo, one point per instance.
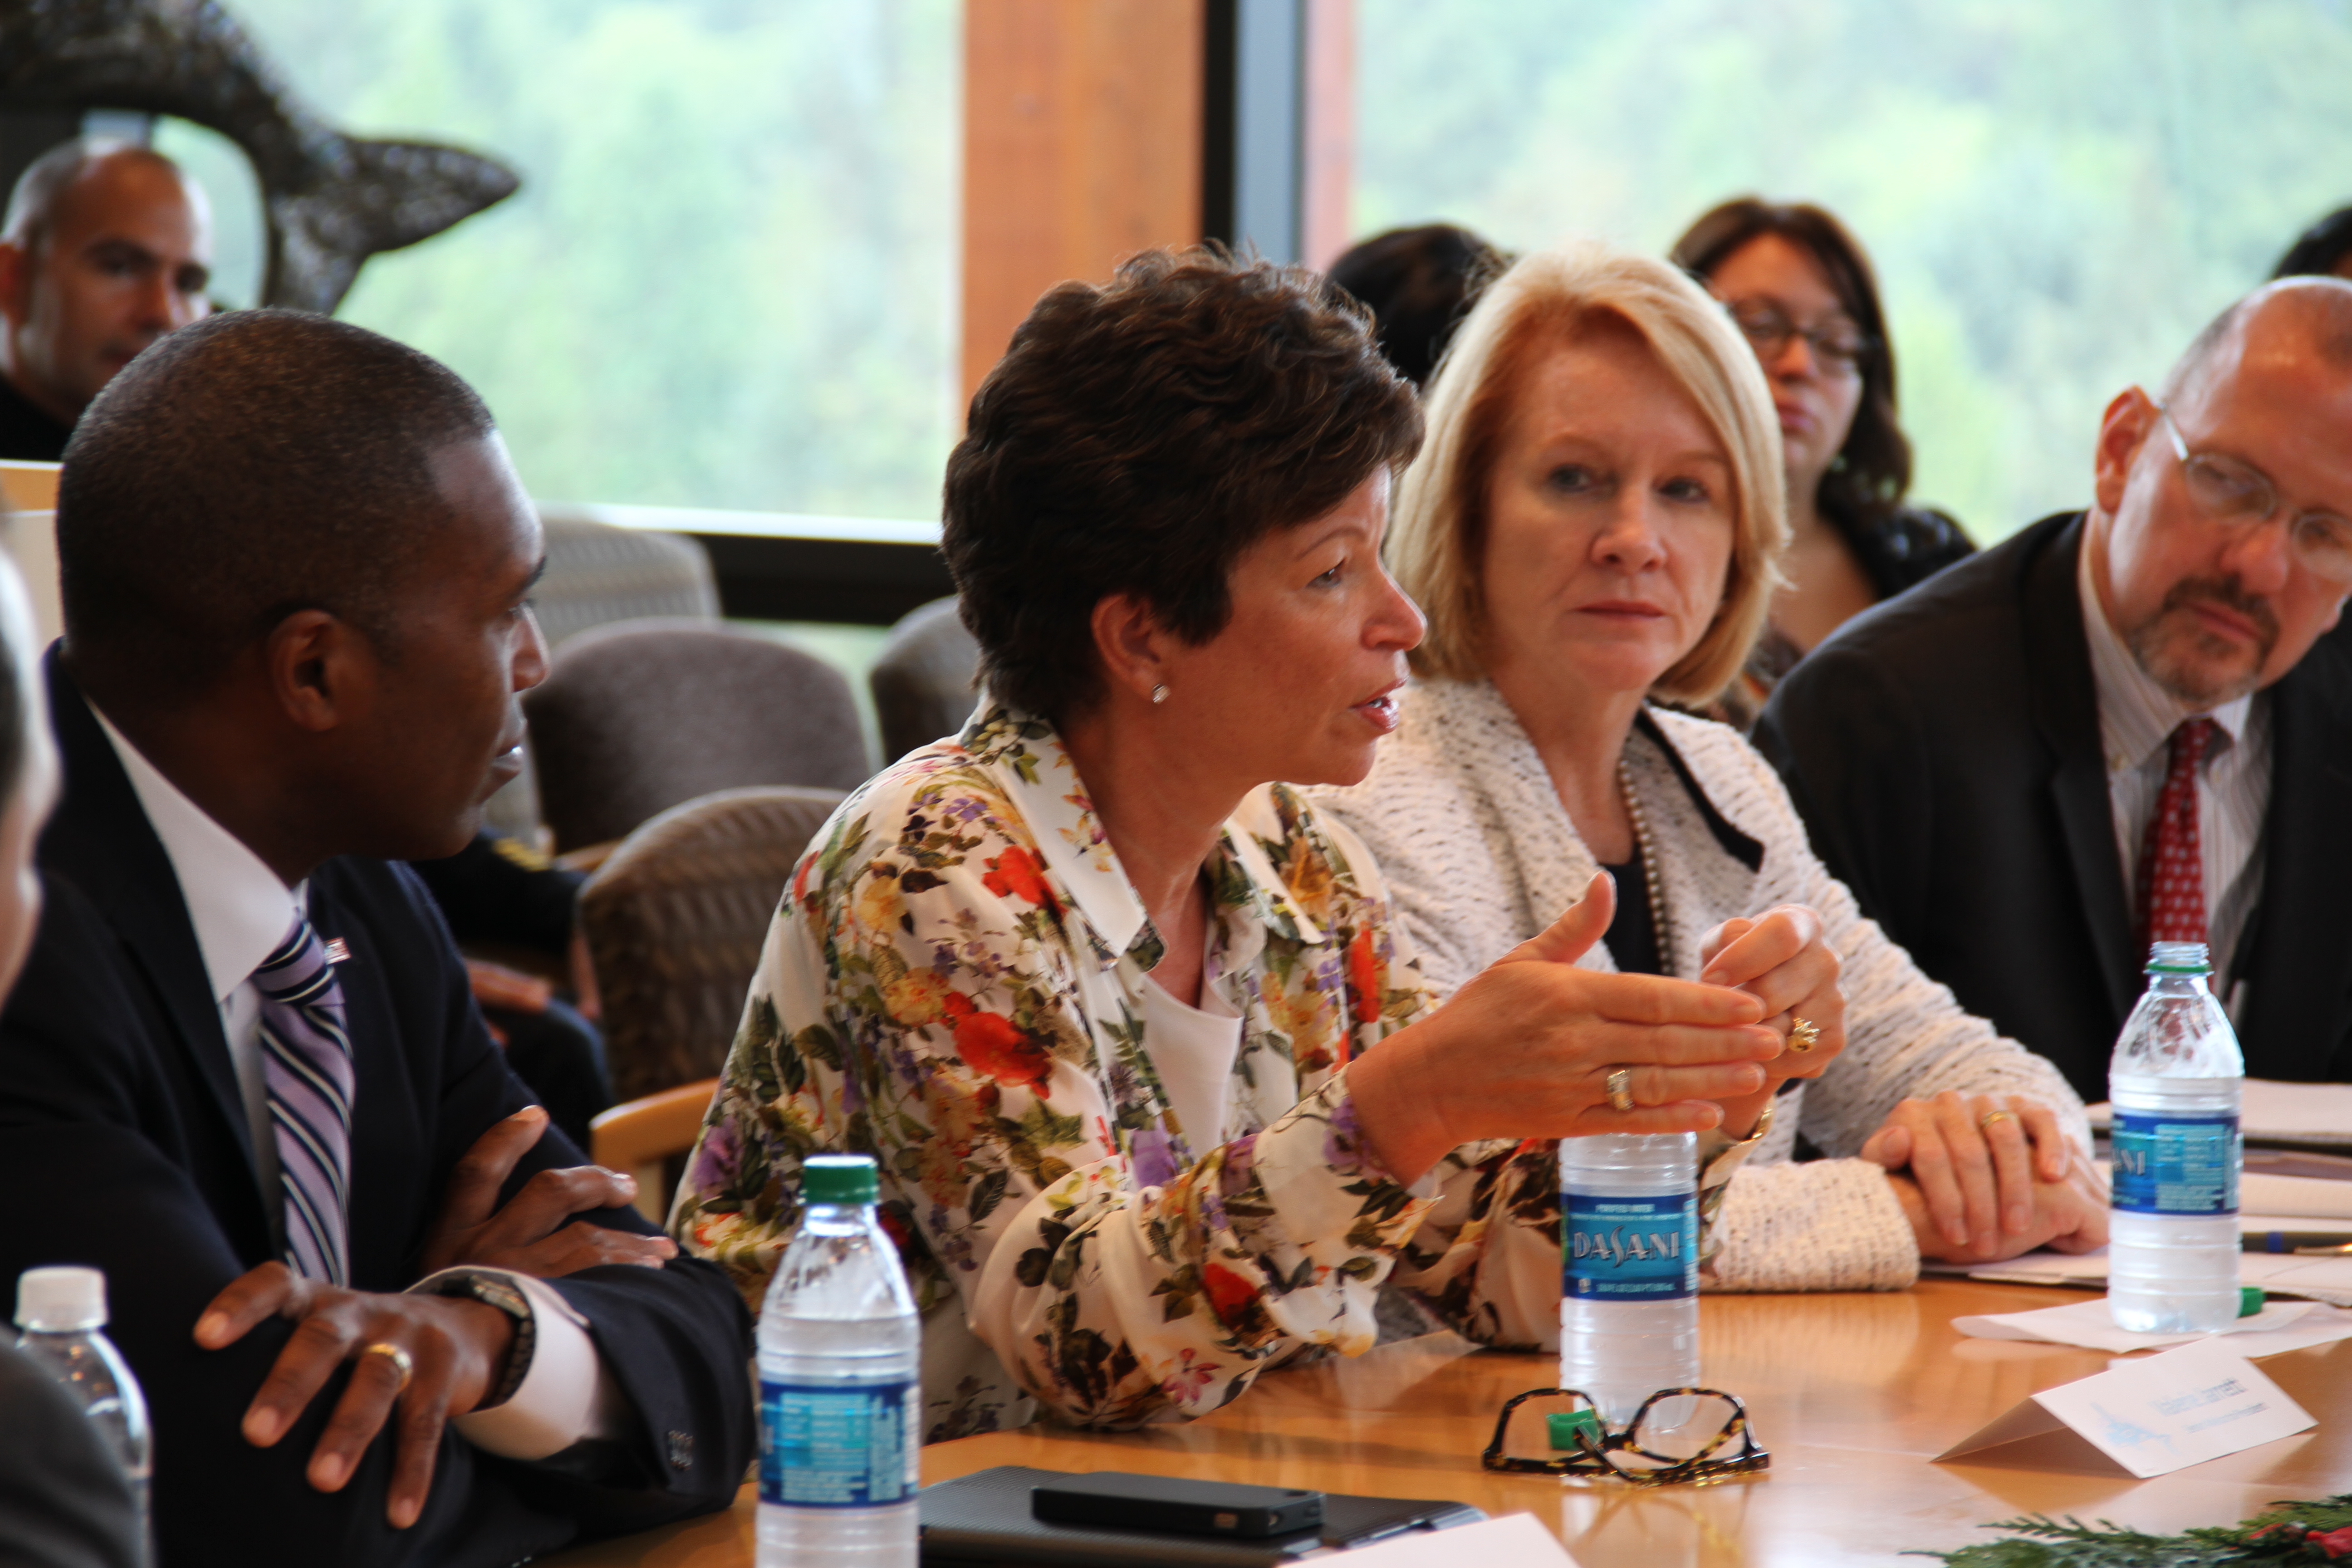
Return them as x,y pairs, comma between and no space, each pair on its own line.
2056,197
728,279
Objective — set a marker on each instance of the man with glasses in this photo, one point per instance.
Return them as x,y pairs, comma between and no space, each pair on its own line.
2125,724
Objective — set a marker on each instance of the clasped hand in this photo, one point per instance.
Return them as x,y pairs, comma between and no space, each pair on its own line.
457,1349
1984,1177
1526,1050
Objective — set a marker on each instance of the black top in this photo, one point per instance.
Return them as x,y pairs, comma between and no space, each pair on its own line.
1633,935
125,1136
26,434
501,889
1944,751
1904,548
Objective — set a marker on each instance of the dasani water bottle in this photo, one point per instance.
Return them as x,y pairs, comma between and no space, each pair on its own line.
840,1385
1629,1268
61,1316
2172,1248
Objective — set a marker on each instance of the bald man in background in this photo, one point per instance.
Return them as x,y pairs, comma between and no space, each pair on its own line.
105,248
2125,724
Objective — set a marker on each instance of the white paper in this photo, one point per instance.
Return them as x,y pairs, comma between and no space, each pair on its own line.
2177,1409
2155,1416
1514,1540
2280,1327
2326,1280
2292,1112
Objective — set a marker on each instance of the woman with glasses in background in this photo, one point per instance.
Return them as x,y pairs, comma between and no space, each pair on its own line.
1803,292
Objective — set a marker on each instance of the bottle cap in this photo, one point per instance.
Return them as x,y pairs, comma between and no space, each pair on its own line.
839,1179
2179,958
61,1300
2250,1300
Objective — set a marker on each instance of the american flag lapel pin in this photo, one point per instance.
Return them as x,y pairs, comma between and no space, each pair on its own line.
338,951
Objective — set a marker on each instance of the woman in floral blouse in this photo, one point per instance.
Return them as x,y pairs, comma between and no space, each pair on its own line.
1099,999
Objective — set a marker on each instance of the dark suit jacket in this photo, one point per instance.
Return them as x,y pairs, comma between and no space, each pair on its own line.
1944,749
124,1144
64,1501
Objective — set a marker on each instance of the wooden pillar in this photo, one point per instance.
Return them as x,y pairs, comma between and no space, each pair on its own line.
1082,145
1327,132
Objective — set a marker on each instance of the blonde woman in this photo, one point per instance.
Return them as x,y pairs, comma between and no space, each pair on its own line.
1595,523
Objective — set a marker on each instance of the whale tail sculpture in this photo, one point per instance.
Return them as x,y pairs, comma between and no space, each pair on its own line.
331,200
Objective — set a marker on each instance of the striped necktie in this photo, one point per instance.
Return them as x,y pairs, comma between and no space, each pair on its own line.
306,1060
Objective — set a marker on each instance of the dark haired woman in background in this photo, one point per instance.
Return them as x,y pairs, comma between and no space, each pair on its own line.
1801,290
2323,251
1418,284
1102,1002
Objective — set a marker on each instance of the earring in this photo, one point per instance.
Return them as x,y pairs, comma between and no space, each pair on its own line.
1160,694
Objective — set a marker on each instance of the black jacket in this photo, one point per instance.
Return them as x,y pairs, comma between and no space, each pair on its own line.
27,432
124,1144
1944,749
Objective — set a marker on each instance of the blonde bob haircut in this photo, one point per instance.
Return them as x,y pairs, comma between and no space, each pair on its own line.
1438,537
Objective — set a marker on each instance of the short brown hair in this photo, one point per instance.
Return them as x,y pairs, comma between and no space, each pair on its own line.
1438,545
1873,473
1138,437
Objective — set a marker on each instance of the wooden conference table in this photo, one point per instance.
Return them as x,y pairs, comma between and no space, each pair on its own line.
1850,1392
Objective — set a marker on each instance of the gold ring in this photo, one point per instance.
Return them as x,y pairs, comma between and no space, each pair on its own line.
1804,1033
1621,1089
1984,1122
399,1359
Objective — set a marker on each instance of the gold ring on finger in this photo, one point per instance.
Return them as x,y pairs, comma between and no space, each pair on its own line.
1984,1122
1621,1089
1804,1033
401,1363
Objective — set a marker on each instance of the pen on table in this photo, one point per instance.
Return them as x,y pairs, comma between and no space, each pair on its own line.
2305,1243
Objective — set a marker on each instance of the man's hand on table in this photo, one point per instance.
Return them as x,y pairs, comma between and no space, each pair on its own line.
457,1351
1985,1177
534,1233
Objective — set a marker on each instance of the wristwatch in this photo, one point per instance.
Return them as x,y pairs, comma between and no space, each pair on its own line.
495,1289
1720,1155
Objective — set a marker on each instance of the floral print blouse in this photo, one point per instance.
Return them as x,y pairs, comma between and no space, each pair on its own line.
954,984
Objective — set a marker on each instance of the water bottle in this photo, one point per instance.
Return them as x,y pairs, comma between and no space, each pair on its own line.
1629,1268
841,1393
2172,1247
61,1318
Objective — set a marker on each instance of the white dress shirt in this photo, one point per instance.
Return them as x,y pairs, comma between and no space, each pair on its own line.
2137,718
241,911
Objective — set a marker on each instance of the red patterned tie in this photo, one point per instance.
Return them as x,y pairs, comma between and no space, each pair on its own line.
2171,857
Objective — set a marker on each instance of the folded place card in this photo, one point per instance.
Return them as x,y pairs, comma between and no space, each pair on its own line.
2157,1415
1514,1540
2281,1326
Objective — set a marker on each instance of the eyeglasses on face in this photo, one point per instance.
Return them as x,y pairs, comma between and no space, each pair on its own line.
2238,494
1837,344
1678,1435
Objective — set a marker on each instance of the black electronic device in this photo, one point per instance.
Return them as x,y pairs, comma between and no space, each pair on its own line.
987,1519
1230,1509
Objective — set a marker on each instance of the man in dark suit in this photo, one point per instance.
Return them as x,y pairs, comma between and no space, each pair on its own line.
381,1314
2125,724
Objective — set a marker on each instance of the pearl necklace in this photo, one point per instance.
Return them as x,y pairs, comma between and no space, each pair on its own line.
1661,928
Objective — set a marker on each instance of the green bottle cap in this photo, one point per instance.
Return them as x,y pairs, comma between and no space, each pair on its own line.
2250,1301
1562,1426
839,1179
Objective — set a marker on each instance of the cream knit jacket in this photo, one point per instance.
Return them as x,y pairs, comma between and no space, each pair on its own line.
1479,854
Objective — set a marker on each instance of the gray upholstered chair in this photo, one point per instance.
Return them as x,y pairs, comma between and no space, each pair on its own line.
598,573
922,684
674,921
638,716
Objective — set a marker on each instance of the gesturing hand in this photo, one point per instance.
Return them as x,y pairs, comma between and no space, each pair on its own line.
1526,1050
456,1350
1989,1176
534,1233
1780,959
